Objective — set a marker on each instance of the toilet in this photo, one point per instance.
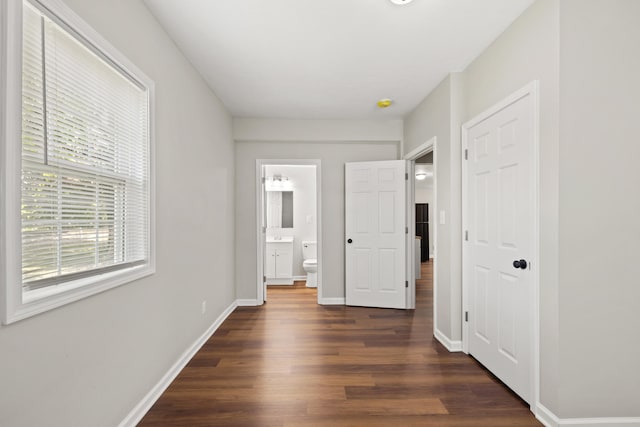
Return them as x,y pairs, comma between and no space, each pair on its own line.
310,263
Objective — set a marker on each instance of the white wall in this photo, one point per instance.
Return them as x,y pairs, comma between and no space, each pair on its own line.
90,362
599,205
278,130
303,179
424,193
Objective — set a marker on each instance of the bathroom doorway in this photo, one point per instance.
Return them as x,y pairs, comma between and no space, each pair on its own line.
288,226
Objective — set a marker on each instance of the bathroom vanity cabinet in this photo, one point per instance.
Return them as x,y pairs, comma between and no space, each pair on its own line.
279,262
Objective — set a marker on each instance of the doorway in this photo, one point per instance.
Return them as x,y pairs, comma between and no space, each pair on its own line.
288,202
422,168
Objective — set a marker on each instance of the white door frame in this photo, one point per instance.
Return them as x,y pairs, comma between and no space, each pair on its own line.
412,156
260,236
531,90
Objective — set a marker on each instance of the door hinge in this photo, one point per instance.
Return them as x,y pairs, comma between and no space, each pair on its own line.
264,229
264,279
466,235
406,283
406,176
466,316
466,154
406,230
263,179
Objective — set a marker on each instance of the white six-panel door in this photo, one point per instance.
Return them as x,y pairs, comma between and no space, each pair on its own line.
375,249
500,225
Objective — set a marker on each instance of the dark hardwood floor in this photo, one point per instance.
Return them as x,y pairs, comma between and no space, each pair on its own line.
292,362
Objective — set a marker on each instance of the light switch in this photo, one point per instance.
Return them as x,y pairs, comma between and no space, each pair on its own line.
309,219
442,218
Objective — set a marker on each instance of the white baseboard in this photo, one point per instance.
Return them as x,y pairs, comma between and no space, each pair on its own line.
154,394
331,301
300,278
450,345
549,419
247,302
545,416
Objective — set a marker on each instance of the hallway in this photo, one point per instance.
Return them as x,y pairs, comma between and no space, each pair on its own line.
292,362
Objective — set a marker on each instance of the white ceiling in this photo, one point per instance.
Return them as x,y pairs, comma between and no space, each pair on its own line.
330,59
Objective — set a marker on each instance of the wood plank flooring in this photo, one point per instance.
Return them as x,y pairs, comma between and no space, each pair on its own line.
292,362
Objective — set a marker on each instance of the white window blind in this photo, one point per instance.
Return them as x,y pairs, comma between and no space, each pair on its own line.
85,158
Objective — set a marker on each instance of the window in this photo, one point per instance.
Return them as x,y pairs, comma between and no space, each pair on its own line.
82,221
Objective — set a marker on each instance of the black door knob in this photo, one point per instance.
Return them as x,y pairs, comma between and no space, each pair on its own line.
349,241
520,264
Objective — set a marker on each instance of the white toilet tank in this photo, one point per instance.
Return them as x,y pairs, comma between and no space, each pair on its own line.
309,250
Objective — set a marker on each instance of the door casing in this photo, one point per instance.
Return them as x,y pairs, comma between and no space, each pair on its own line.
260,220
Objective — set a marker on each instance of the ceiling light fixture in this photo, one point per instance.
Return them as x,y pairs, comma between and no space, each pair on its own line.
400,2
384,103
278,182
423,175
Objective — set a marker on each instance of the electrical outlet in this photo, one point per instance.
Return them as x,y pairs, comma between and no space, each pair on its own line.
204,306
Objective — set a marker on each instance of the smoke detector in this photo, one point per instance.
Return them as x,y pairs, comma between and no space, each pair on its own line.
400,2
384,103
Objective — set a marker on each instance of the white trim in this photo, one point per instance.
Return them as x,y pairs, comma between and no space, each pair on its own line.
420,150
545,416
248,302
82,28
435,227
260,163
528,89
261,235
430,145
463,216
299,278
332,301
549,419
11,113
15,307
452,346
410,239
532,90
139,411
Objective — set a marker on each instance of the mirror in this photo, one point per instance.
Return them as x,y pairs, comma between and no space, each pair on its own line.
279,209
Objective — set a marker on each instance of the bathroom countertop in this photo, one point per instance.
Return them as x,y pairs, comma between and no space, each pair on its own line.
284,239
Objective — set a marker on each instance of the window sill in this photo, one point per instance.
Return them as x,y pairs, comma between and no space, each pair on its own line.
41,300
